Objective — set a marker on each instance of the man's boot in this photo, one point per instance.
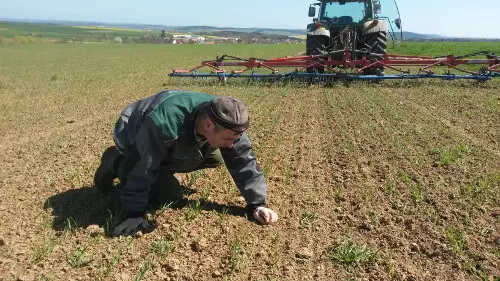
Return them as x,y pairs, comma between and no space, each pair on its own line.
108,170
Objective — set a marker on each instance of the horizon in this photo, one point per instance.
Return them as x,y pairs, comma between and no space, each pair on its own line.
121,24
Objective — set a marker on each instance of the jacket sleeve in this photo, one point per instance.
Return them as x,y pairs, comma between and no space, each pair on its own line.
151,151
246,172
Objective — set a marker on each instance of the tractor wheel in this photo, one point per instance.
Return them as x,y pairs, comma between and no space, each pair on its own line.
377,44
316,45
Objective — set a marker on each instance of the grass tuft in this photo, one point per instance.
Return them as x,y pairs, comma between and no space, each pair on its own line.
349,254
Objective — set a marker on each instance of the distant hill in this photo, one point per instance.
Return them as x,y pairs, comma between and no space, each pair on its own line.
300,33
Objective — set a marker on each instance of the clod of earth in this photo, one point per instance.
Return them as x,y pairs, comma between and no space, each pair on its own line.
304,253
94,230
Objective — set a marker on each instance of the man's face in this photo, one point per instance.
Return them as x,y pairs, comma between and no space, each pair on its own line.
218,138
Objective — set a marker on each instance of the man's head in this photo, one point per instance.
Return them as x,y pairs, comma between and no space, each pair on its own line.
223,121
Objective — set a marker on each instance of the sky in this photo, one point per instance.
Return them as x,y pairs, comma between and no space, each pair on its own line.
455,18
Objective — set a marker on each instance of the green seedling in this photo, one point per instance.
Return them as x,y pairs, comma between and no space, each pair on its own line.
348,253
236,259
451,155
193,210
40,252
79,258
309,219
222,215
163,247
457,240
145,266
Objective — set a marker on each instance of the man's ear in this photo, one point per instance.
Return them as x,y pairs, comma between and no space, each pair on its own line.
208,125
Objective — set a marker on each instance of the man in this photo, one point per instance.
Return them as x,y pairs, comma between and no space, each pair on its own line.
179,131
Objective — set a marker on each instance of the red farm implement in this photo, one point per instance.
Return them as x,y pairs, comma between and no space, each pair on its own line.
339,65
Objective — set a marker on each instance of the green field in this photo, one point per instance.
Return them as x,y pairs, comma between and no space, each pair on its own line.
52,31
371,181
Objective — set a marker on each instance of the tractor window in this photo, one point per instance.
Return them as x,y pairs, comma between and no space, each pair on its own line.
346,13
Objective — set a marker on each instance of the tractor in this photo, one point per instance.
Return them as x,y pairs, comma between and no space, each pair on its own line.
359,26
347,40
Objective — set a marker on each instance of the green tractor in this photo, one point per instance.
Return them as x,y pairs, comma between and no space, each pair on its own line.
362,27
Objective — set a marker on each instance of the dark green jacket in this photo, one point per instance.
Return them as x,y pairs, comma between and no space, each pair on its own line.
161,128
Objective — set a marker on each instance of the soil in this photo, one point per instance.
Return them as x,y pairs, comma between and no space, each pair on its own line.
364,163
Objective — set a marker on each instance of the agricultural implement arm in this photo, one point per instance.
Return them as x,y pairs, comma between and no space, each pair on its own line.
325,68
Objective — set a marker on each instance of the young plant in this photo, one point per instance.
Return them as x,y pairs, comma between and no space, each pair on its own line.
145,266
222,215
237,257
40,252
416,189
79,258
457,240
110,265
349,254
163,247
447,156
193,210
69,227
309,219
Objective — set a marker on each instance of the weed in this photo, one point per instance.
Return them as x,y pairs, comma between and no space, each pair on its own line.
70,226
110,265
79,258
337,194
448,156
308,219
40,252
205,194
236,259
283,92
432,212
110,222
350,147
193,176
374,218
482,190
416,190
457,240
222,215
193,210
145,266
348,253
392,271
163,247
162,209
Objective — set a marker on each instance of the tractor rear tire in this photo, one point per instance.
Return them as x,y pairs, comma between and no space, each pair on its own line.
316,45
377,44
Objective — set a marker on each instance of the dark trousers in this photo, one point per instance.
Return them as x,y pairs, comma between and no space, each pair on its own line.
166,187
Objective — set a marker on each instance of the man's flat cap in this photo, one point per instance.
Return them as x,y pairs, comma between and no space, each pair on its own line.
230,113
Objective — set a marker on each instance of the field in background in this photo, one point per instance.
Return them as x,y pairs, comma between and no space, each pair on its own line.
389,181
52,31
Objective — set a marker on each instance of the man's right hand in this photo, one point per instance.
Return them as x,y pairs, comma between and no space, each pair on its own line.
130,226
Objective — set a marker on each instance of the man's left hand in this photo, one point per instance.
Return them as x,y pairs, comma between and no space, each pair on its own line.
265,215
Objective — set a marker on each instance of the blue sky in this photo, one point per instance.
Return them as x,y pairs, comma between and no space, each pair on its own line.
477,18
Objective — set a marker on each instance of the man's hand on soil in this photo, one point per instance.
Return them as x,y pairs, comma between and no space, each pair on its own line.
265,215
130,226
